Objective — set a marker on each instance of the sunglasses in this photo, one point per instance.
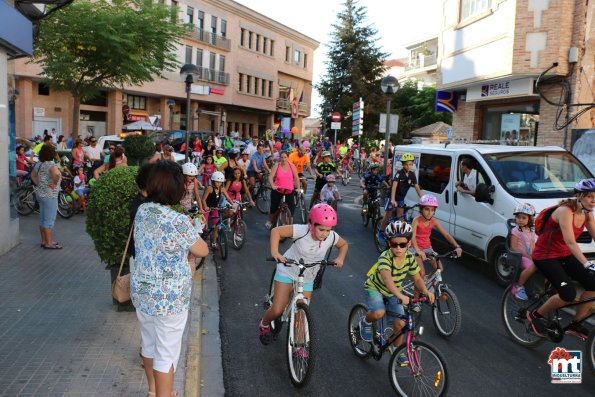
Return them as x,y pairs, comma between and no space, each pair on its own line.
93,141
112,148
400,245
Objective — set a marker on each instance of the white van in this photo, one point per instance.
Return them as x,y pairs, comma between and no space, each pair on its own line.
506,176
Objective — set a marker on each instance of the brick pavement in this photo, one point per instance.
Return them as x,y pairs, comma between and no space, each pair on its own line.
60,335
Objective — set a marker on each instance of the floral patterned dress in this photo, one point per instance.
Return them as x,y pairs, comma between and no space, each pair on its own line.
161,282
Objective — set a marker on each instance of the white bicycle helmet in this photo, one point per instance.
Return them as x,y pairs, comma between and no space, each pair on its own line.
398,229
217,177
189,169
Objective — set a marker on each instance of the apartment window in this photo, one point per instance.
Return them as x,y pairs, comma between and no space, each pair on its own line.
188,54
137,102
199,57
263,88
242,36
305,61
213,24
257,42
201,21
223,28
174,4
212,58
296,56
189,15
264,44
43,89
473,7
287,53
222,63
249,39
270,89
256,84
240,81
249,83
272,48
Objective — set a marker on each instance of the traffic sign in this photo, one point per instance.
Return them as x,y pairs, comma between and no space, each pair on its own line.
449,133
394,123
336,116
335,125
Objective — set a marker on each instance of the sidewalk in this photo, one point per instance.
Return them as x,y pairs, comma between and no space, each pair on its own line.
60,335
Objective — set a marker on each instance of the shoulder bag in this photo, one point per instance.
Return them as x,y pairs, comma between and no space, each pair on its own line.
121,285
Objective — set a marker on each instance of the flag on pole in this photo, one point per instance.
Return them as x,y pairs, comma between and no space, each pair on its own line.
446,102
301,97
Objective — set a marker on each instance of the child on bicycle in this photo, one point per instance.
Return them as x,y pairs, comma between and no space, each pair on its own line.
330,193
422,227
191,184
385,282
370,182
207,169
237,186
523,240
213,197
80,187
310,243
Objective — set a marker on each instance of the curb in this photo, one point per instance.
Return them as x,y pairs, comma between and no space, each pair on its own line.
192,375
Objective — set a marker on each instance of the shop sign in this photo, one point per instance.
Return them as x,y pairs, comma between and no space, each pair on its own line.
138,115
200,89
38,112
501,89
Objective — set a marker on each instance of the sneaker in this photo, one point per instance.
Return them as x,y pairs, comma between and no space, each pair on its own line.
538,324
519,292
301,353
403,360
578,330
264,333
365,330
268,225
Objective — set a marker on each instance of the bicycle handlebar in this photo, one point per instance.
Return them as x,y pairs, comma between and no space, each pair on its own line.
449,255
301,262
422,298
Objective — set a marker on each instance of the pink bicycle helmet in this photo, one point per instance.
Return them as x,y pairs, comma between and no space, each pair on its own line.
427,200
330,178
323,215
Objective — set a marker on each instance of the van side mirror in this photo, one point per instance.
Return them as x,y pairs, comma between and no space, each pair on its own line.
483,193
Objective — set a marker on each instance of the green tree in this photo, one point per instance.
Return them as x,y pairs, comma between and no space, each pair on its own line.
92,45
354,68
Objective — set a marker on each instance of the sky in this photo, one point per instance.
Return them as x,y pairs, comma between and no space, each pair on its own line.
399,22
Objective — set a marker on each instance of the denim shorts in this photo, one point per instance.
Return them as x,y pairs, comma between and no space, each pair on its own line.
376,302
308,287
48,208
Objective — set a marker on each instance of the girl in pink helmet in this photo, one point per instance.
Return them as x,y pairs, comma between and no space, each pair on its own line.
310,243
422,227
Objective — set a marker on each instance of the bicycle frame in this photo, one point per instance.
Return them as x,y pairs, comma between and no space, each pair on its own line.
550,292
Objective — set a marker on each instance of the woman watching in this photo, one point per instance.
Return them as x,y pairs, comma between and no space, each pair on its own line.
47,178
117,159
161,280
62,143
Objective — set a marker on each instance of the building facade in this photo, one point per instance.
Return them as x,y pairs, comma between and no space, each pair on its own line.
491,54
255,74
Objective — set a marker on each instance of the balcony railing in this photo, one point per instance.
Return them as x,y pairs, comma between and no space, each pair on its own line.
422,61
285,105
211,38
212,75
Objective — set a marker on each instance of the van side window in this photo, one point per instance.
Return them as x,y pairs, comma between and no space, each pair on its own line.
481,174
434,172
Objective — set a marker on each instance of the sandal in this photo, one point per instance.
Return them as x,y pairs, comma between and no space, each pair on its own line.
52,247
53,243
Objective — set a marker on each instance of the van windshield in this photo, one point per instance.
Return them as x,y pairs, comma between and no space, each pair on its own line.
537,174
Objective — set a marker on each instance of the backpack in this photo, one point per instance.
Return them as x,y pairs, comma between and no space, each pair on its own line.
542,219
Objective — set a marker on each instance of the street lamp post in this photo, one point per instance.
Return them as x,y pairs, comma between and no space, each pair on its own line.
326,108
188,71
389,86
170,104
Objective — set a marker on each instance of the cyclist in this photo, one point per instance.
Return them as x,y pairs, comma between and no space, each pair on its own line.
300,160
522,240
256,166
220,160
310,243
323,169
212,198
329,192
558,256
422,227
403,180
283,180
237,187
385,281
190,187
370,182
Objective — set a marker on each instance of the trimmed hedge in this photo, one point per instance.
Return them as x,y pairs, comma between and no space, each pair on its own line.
138,148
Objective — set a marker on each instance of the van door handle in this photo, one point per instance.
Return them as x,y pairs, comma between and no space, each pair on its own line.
454,198
446,196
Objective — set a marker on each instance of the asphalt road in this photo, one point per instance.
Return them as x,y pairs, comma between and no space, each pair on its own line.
483,361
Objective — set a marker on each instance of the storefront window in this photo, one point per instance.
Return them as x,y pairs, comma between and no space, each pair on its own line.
514,124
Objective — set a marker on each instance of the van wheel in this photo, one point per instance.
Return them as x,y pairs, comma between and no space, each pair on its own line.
503,269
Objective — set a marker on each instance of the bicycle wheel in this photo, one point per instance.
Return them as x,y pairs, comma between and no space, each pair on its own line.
344,179
300,346
283,219
514,318
360,347
239,233
277,324
590,351
65,208
24,201
381,245
425,375
222,241
446,313
263,199
303,211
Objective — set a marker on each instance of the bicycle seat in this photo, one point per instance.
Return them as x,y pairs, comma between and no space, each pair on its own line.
284,191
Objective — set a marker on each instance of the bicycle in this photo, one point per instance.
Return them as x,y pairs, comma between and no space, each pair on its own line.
407,216
446,309
237,226
24,200
514,317
301,334
427,370
373,210
345,176
222,230
300,203
262,194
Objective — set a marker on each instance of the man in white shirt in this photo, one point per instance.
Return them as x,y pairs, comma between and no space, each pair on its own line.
251,148
54,136
217,141
469,177
93,152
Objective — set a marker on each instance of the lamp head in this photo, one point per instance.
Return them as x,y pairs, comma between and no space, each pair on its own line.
389,85
188,71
